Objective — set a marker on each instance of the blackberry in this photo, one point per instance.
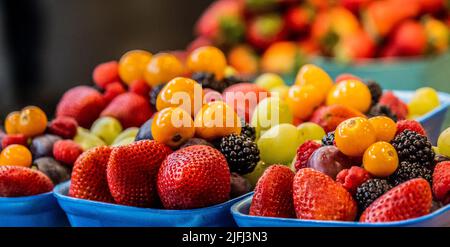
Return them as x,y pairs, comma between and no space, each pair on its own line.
414,148
208,80
248,131
231,80
407,171
241,152
328,139
375,91
369,191
154,94
382,110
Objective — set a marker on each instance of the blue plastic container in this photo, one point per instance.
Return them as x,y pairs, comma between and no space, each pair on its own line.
31,211
240,211
85,213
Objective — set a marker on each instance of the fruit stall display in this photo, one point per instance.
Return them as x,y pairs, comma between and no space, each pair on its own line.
401,43
357,151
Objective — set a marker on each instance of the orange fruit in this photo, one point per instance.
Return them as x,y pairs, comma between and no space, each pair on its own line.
15,155
181,92
31,121
133,64
310,74
216,119
385,128
351,93
302,100
162,68
380,159
354,136
207,59
11,122
172,126
281,57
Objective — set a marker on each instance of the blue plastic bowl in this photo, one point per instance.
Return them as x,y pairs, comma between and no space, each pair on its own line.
31,211
240,211
85,213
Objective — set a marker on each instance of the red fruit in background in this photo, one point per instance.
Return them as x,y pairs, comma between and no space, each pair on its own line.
66,151
409,200
113,90
298,19
198,42
304,152
432,6
441,182
132,171
89,176
318,197
14,139
397,106
65,127
130,109
355,5
16,181
352,178
273,193
410,125
346,76
410,39
244,97
329,117
82,103
264,30
194,177
356,46
141,88
106,73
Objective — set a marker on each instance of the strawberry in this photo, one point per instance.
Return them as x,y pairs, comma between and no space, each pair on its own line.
194,177
329,117
413,125
265,30
132,171
244,97
298,19
14,139
396,105
18,181
406,201
112,90
130,109
410,39
106,73
304,152
441,182
273,193
353,47
352,178
318,197
89,176
82,103
141,88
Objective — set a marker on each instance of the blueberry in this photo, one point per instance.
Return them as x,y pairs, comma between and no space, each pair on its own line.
42,146
145,131
53,169
239,185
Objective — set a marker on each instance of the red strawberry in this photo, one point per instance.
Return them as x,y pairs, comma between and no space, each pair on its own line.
244,97
304,152
89,176
265,30
66,151
410,39
82,103
359,45
352,178
409,200
106,73
441,182
397,106
329,117
298,19
132,171
413,125
113,90
130,109
65,127
141,88
273,193
14,139
318,197
18,181
194,177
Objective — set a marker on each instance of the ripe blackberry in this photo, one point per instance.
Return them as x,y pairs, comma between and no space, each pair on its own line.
208,80
248,131
154,94
328,139
407,171
375,91
369,191
414,148
382,110
241,152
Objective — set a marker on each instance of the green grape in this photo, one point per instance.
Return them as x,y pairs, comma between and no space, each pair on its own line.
280,91
269,81
424,100
107,128
270,112
128,133
254,176
87,140
444,143
124,141
311,131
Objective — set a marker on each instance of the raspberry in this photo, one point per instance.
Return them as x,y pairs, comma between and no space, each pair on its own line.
304,152
65,127
106,73
140,87
113,90
14,139
66,151
397,106
352,178
441,182
410,125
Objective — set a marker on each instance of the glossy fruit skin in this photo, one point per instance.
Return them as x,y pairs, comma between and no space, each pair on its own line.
207,59
11,122
126,134
269,81
87,140
385,128
351,93
162,68
269,113
310,74
444,142
169,96
30,121
329,117
107,128
132,65
354,136
304,152
424,100
380,159
16,155
145,131
216,119
57,172
173,134
42,146
273,193
302,100
329,160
